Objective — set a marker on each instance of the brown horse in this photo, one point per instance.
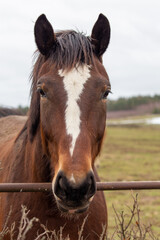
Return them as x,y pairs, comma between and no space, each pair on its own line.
62,135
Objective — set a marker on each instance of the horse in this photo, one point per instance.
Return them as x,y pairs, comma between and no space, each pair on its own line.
62,135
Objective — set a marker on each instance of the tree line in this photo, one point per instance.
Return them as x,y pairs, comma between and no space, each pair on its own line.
130,103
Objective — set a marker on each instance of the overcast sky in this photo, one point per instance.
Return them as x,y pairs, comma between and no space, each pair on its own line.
132,59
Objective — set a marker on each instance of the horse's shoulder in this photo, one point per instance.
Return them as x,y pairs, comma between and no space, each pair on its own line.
10,126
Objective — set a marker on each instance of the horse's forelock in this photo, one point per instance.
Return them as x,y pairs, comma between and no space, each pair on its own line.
72,48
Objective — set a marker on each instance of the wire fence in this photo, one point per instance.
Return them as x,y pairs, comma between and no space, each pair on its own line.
101,186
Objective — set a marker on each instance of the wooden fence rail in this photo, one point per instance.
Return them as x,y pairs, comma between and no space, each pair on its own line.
101,186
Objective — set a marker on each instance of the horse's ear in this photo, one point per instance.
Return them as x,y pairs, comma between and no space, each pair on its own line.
44,35
100,35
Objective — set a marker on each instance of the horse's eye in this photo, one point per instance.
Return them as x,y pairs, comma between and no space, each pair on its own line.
42,93
105,94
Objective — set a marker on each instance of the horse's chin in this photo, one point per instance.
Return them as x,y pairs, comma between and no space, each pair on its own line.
72,211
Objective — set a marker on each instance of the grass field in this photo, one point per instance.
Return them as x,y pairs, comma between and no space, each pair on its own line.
132,153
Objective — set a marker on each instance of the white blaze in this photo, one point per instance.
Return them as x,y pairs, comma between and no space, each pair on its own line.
74,81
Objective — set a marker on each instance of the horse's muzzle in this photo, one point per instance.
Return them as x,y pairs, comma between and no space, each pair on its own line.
74,198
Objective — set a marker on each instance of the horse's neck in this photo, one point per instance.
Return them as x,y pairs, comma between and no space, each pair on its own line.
26,161
37,167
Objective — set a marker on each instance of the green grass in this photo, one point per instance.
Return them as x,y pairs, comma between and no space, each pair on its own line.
132,154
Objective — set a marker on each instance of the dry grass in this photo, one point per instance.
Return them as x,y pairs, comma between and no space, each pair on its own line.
26,225
128,226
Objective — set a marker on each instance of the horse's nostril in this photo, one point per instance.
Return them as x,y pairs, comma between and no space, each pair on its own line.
91,186
59,188
61,183
90,181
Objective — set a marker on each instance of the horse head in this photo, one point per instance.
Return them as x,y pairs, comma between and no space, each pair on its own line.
69,91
